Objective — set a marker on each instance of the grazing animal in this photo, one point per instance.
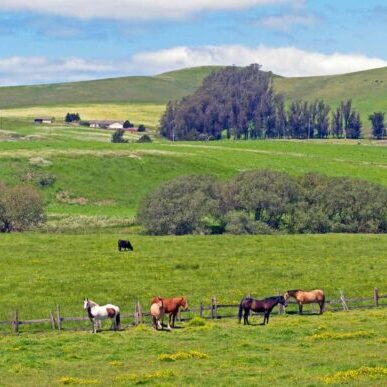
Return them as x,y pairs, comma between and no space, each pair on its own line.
157,312
97,313
265,306
171,306
302,297
124,245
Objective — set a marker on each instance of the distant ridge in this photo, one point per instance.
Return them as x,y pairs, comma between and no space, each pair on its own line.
367,89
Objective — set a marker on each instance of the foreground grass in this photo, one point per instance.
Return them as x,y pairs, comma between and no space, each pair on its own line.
216,353
42,270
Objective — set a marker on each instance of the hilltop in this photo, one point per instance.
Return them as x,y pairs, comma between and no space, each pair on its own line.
366,88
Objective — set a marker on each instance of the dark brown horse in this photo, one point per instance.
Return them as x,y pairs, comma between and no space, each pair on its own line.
171,306
264,306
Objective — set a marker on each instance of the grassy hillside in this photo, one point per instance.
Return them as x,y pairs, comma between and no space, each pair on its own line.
367,89
95,177
153,90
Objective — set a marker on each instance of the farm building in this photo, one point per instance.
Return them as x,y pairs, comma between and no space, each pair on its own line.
44,120
109,124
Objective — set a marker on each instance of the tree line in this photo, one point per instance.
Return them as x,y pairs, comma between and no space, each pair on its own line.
265,202
240,103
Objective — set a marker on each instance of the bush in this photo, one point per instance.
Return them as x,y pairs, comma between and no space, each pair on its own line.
180,206
72,117
144,139
21,208
141,128
127,124
118,136
264,202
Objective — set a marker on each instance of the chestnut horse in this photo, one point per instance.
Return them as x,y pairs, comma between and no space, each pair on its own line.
302,297
171,306
265,306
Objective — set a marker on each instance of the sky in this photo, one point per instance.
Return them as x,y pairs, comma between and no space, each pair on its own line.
46,41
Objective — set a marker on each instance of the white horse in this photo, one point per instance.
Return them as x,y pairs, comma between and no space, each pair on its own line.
97,313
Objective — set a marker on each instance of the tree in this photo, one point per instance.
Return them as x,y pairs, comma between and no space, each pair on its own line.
118,136
378,126
127,124
21,208
354,126
72,117
337,123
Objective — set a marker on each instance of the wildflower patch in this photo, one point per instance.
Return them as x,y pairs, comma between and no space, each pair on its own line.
79,381
182,356
342,336
352,375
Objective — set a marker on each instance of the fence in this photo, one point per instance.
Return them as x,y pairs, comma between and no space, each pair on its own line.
57,320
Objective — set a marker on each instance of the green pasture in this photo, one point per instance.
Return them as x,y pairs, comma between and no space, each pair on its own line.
333,349
95,177
41,270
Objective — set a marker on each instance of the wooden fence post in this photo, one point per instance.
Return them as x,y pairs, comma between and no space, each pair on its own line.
58,318
214,308
15,322
201,310
343,302
140,315
376,296
136,315
52,320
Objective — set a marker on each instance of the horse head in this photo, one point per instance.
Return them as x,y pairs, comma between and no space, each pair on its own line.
184,303
85,303
282,300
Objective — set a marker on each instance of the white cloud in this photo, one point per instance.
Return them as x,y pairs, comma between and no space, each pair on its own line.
133,9
287,61
287,21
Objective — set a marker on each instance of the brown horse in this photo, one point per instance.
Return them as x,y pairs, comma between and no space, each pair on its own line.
171,306
302,297
157,313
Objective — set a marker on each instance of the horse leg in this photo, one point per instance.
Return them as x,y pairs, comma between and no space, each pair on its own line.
267,314
321,303
169,322
300,308
246,317
173,319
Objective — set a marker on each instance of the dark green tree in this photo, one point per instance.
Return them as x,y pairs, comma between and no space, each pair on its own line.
378,126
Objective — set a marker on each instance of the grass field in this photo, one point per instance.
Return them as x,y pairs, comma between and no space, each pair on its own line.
45,269
340,348
197,266
95,177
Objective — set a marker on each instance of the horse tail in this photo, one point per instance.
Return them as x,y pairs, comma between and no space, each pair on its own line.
118,320
240,310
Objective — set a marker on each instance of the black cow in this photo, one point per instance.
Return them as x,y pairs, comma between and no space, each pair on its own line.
124,245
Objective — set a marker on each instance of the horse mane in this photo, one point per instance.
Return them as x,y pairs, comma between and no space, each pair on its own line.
92,303
295,291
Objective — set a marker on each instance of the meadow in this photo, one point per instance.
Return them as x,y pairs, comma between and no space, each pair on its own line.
333,349
94,177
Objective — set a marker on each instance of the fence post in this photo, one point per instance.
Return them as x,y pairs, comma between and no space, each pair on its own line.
135,314
343,302
214,308
15,322
58,318
201,310
376,296
139,310
52,320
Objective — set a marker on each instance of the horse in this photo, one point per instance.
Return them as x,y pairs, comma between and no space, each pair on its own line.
171,306
103,312
157,312
265,306
124,245
302,297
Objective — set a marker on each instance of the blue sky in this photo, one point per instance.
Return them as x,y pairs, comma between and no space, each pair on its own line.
63,40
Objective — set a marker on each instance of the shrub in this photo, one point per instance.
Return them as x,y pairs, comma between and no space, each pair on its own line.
141,128
180,206
127,124
144,138
118,136
21,208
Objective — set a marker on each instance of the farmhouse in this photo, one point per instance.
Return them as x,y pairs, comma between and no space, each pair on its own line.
109,124
44,120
